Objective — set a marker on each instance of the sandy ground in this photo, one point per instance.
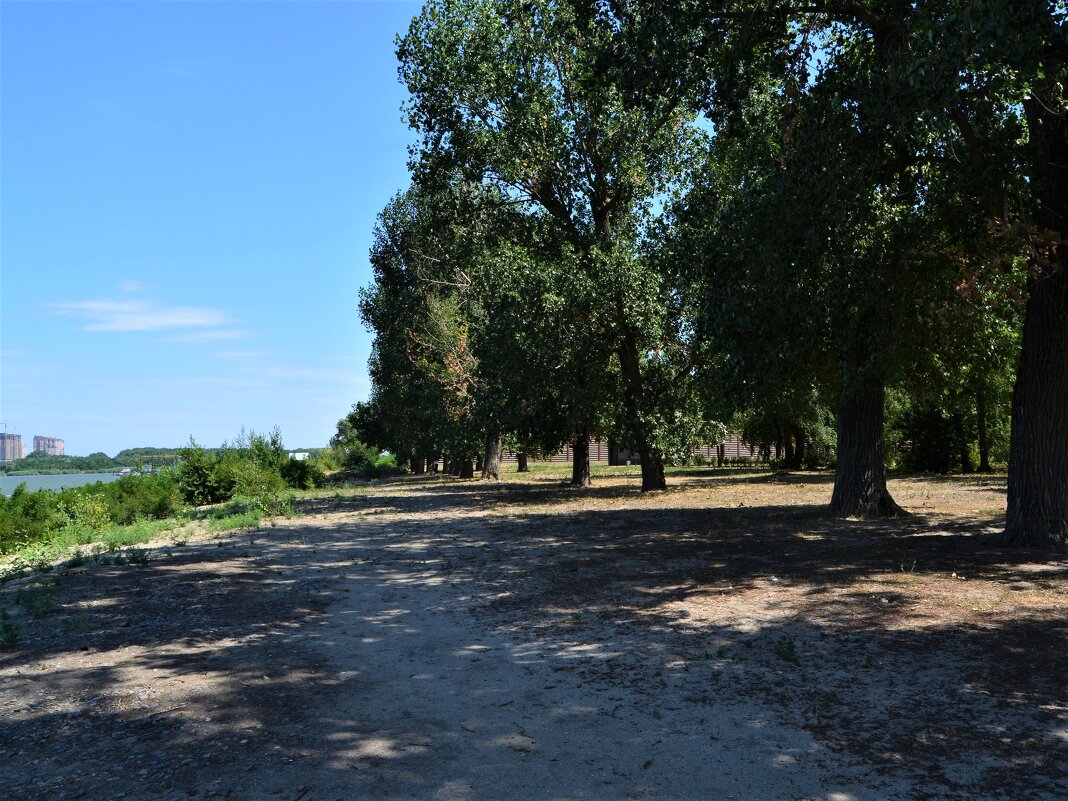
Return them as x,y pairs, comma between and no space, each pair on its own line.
428,639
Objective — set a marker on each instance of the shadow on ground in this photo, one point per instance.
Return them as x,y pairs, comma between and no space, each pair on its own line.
208,670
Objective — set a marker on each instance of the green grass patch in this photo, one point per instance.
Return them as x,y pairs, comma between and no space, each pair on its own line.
250,518
72,541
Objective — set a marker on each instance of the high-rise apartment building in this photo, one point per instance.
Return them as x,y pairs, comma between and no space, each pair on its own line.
53,446
11,447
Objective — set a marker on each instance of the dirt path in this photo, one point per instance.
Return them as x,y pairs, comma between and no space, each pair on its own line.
459,641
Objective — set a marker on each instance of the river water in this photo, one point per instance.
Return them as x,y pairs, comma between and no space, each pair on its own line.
8,483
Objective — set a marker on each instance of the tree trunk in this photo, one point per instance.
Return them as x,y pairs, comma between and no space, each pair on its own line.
652,469
984,442
613,453
418,465
966,465
860,478
721,454
633,398
478,463
795,450
580,461
491,461
467,469
1038,449
521,460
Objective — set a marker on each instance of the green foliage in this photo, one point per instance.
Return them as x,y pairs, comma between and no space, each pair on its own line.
260,486
254,466
351,452
596,243
200,479
84,509
153,496
250,518
386,461
303,474
27,516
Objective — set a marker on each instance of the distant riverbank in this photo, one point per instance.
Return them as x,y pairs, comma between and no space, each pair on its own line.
54,481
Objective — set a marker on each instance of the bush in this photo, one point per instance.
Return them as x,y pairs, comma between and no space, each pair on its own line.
154,496
356,455
27,516
86,510
261,486
201,477
304,474
385,461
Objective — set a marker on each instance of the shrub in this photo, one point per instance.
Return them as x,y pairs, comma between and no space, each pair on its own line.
154,496
85,509
304,474
385,461
27,516
201,477
261,486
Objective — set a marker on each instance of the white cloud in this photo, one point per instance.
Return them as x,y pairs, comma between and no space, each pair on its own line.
140,315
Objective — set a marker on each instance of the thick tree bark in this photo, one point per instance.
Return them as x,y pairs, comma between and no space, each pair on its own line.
721,454
1037,512
467,469
1038,450
478,463
652,469
491,461
964,451
613,453
521,461
795,450
1038,453
860,478
984,442
418,465
633,396
580,461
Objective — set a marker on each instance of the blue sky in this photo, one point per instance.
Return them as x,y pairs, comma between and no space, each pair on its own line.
187,194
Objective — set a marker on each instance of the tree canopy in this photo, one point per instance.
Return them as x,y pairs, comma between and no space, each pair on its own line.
647,220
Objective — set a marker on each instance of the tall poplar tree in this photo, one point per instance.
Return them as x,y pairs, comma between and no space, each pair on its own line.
540,99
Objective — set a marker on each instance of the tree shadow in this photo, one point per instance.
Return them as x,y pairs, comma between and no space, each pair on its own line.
605,625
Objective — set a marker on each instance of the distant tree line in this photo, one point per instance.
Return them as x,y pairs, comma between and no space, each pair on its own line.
42,463
836,225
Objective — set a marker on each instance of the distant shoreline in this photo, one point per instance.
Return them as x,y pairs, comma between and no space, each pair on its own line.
56,472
